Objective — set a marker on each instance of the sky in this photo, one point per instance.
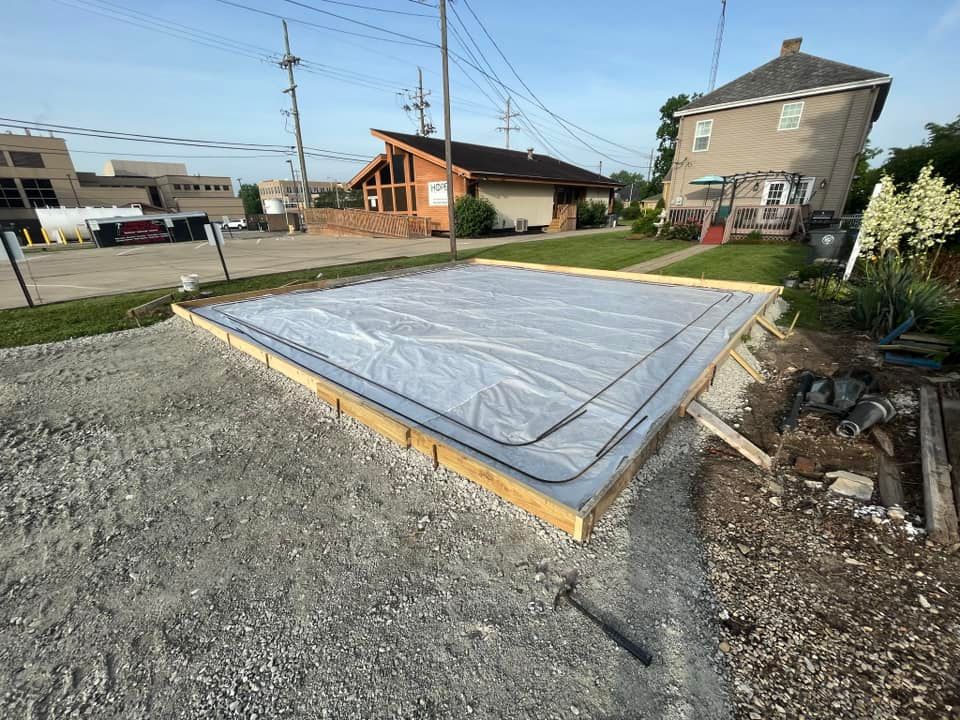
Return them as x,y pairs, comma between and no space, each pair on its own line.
202,69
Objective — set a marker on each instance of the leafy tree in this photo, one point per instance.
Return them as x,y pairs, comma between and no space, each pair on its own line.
473,216
667,137
864,180
942,148
341,197
250,195
630,180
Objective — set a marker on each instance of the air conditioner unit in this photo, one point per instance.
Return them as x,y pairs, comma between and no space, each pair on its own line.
520,225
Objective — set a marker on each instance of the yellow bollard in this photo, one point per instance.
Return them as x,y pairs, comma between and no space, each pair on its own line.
79,235
63,237
46,238
26,234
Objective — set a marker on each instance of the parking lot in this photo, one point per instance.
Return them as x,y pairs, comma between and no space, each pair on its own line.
69,273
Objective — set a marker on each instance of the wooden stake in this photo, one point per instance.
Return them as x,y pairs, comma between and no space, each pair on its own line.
793,324
770,327
730,436
742,361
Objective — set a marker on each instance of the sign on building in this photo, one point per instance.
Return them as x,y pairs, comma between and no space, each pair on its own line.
437,192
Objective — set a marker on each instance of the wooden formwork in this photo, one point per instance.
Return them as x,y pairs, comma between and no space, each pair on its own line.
578,523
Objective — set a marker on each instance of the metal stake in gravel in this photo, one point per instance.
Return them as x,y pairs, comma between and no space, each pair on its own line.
13,252
611,632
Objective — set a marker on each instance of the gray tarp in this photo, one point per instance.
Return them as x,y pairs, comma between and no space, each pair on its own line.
552,378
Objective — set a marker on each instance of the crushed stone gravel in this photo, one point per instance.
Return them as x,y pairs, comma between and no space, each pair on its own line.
185,533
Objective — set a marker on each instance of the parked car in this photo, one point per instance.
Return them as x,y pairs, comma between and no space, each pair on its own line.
236,224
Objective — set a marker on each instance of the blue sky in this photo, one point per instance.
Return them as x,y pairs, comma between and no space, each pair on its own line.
604,66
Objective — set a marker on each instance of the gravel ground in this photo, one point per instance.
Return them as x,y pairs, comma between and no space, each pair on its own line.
830,608
185,533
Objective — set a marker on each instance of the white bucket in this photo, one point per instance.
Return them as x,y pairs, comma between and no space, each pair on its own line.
190,283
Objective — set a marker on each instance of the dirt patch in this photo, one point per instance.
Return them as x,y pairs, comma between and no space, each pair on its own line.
185,533
829,608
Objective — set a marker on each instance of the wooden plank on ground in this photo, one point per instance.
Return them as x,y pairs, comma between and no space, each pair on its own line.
888,480
939,507
950,405
730,436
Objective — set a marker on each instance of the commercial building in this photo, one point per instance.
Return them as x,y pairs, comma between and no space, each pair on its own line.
37,172
290,192
526,188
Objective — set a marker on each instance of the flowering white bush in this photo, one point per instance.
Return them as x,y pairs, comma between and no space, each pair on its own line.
910,223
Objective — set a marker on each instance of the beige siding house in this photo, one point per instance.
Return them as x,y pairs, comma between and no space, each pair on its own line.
774,147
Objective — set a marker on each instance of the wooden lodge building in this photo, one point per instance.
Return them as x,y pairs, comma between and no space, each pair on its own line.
527,189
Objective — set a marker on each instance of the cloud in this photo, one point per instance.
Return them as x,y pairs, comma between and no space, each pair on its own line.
949,18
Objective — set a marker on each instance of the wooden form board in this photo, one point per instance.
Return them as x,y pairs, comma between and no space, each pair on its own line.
580,523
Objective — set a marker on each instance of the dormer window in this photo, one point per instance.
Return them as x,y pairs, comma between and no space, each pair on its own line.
790,116
701,135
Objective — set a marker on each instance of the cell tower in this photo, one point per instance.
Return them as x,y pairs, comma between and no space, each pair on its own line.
717,42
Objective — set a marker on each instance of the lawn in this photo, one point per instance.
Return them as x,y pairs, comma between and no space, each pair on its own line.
605,251
92,316
768,264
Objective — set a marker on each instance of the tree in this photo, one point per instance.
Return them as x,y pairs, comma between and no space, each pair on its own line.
340,197
634,185
667,137
941,148
250,194
864,180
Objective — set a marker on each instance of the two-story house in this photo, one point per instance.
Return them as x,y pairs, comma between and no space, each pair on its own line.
766,150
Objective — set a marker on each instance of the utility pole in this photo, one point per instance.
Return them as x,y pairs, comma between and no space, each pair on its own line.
506,122
288,61
650,167
421,105
447,150
600,171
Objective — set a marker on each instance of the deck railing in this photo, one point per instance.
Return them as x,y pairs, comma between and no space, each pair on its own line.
766,219
687,216
365,221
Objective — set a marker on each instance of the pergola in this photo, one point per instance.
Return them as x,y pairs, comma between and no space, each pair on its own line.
738,179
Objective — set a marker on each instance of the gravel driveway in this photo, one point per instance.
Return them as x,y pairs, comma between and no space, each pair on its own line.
185,533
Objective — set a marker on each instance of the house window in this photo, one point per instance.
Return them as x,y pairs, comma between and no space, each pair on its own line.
800,193
398,174
387,200
3,159
701,135
40,193
401,198
9,194
790,116
385,175
196,187
26,159
774,192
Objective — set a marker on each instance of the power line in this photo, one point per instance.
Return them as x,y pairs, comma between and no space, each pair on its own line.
167,140
539,102
412,41
376,9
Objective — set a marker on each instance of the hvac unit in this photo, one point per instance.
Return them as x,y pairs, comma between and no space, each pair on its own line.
520,225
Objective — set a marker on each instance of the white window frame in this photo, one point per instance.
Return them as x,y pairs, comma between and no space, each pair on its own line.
811,182
697,134
764,199
783,110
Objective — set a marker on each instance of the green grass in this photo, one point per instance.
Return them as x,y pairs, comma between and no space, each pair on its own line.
768,264
92,316
604,251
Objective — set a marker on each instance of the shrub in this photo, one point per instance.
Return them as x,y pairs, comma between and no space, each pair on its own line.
892,291
473,216
631,211
646,224
948,325
679,231
590,213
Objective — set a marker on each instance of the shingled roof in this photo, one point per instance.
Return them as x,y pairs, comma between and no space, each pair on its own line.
494,162
786,75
